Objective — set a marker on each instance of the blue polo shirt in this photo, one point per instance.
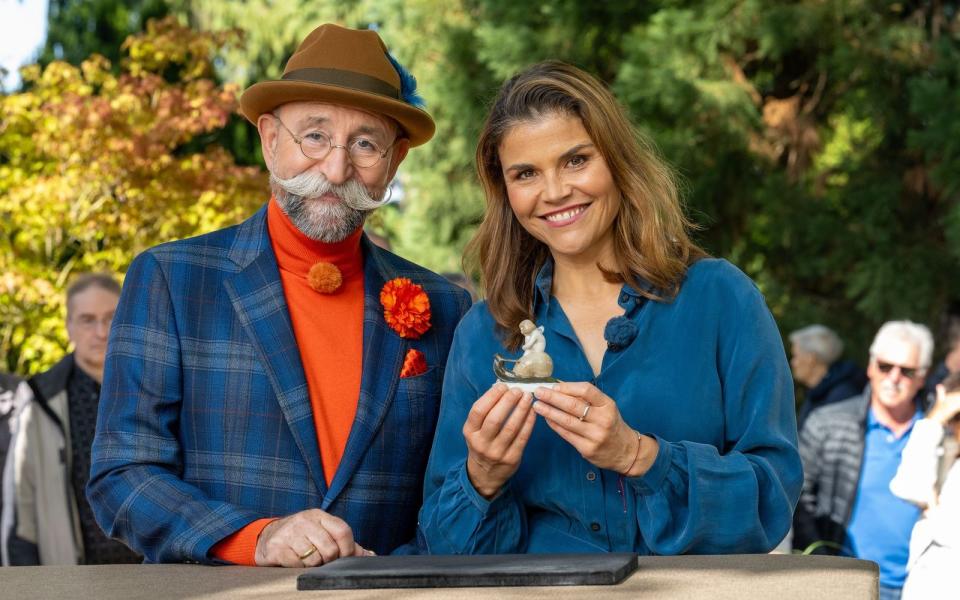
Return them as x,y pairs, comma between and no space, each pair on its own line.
880,526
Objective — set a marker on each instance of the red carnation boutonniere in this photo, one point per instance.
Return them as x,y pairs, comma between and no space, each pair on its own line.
406,307
414,364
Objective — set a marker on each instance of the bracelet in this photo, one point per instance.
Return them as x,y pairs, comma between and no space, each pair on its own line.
637,455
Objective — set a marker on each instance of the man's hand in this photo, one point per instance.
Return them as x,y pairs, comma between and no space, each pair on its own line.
306,539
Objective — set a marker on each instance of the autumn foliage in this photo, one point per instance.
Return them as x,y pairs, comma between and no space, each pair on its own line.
97,166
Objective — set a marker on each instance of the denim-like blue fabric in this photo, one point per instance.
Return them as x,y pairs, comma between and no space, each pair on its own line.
706,375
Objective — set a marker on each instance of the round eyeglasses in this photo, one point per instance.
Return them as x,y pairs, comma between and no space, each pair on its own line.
316,145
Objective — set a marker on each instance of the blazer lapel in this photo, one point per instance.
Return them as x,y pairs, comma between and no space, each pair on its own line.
382,361
257,296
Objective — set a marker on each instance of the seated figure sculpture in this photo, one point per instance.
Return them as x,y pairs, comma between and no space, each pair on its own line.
535,361
534,367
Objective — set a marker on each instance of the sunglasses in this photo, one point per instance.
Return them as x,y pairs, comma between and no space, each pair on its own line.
908,372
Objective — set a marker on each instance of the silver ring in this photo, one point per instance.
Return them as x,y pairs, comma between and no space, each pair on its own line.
586,409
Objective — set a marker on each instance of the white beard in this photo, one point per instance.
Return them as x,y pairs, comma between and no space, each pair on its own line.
323,221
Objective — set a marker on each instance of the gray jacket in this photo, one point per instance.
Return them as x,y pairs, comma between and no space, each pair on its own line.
40,523
831,447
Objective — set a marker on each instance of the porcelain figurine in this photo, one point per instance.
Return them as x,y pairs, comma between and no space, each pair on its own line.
534,368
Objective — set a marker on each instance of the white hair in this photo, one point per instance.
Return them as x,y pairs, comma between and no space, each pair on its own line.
820,341
897,332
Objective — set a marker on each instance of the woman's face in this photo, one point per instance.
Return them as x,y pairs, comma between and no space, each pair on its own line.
560,187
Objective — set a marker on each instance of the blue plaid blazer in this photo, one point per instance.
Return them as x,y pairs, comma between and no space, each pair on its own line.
205,421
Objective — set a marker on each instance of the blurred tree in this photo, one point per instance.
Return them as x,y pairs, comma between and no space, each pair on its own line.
78,28
271,32
461,51
814,136
816,139
94,168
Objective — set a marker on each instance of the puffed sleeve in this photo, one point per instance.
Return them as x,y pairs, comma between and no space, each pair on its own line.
697,498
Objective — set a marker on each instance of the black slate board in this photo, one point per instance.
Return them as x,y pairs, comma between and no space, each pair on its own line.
469,571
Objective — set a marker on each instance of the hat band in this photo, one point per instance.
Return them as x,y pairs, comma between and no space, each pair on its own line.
346,79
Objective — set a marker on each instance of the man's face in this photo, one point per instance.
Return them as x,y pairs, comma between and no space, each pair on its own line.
88,325
803,364
328,198
895,374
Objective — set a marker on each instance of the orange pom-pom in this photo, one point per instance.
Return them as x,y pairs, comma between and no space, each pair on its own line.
414,364
324,277
406,307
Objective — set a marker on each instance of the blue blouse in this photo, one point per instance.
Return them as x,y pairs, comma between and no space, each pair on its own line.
706,375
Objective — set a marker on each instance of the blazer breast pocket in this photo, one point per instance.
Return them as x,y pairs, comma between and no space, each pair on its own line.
416,406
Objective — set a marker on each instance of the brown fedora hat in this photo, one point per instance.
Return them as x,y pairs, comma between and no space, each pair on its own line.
341,66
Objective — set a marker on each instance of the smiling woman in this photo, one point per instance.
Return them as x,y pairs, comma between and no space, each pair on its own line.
560,188
674,430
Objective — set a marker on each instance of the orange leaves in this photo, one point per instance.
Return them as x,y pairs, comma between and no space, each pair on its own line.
95,168
168,43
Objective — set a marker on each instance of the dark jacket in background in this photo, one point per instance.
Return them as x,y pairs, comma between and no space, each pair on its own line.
46,522
843,380
831,447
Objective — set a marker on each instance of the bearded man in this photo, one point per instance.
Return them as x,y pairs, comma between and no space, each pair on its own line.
271,389
851,450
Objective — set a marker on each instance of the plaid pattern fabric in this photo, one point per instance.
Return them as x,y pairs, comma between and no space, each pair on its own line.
205,421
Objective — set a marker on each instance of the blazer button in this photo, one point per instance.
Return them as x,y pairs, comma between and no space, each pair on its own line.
595,526
591,475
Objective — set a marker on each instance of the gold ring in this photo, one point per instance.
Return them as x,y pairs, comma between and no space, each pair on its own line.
586,409
307,553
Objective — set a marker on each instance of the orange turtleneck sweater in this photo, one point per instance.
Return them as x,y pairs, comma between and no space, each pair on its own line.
329,333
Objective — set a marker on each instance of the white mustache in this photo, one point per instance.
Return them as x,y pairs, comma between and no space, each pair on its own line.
891,387
312,184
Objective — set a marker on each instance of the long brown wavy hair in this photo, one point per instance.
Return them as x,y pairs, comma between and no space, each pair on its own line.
651,231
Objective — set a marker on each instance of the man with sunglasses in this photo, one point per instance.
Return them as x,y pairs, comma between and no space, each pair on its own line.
272,389
851,450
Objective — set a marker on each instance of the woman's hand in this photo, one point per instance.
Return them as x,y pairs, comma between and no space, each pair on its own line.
946,407
590,421
497,430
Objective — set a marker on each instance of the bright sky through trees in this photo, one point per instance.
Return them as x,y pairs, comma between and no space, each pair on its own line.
23,27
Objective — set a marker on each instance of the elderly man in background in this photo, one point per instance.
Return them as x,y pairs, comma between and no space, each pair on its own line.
851,450
48,520
815,361
272,389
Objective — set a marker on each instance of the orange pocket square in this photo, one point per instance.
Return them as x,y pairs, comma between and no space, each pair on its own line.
414,364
